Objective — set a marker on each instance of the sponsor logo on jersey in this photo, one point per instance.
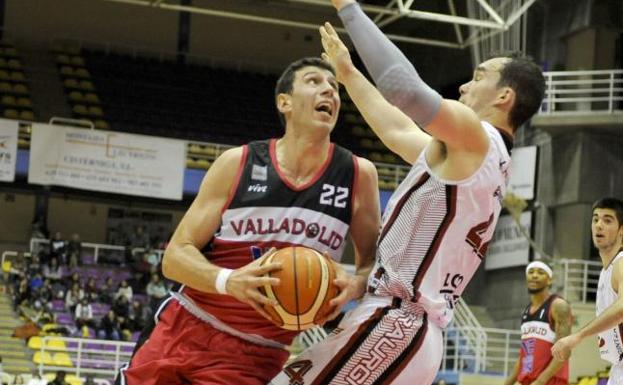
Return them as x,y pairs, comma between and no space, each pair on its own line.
257,188
259,172
293,226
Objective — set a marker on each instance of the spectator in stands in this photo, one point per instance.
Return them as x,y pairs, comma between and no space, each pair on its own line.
53,270
36,282
58,248
84,314
107,291
156,290
44,296
73,296
59,379
74,250
17,272
91,291
36,379
74,279
88,380
125,290
21,296
138,315
121,306
109,328
140,238
34,266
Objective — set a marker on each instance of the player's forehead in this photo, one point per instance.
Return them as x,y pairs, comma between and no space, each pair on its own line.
492,65
537,270
604,213
312,70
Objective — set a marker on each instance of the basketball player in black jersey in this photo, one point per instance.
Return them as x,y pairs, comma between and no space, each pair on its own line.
545,320
299,189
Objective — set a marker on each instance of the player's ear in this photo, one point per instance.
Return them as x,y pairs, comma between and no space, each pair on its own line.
284,103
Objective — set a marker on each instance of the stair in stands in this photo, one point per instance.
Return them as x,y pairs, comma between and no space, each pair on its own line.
46,88
16,357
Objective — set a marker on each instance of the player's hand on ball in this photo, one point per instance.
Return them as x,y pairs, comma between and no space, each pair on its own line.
243,283
350,287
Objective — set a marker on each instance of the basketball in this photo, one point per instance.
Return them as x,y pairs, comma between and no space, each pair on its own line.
305,290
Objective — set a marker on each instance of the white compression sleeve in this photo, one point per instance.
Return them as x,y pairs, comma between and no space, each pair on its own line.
394,75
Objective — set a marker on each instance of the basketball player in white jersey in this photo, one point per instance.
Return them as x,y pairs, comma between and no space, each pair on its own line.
607,232
438,224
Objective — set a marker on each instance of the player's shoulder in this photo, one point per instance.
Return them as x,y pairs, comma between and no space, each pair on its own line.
365,166
231,156
560,305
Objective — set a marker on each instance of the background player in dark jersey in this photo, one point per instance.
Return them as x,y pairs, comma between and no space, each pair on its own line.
299,189
545,320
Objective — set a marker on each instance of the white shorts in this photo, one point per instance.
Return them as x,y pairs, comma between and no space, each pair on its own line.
616,374
376,343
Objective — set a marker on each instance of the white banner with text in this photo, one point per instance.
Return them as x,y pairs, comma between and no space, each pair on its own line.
107,161
509,247
8,149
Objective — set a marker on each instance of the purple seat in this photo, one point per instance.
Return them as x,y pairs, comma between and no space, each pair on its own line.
65,319
58,305
88,259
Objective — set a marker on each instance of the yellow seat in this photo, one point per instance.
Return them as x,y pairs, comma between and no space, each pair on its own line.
6,266
23,143
35,343
5,87
92,98
8,100
4,75
82,72
73,380
10,51
20,89
77,61
80,109
56,344
18,76
42,358
67,71
76,96
62,59
102,124
11,114
62,359
96,111
24,102
203,164
71,83
86,85
3,62
27,115
15,64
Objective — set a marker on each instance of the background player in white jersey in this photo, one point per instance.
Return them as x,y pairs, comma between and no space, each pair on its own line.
299,189
546,319
439,221
607,232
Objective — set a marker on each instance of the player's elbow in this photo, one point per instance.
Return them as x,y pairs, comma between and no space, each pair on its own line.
168,262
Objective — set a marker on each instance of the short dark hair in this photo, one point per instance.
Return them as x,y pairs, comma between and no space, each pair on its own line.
525,77
613,204
286,80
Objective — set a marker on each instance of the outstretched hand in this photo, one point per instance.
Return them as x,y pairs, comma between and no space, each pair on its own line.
244,283
335,51
339,4
562,348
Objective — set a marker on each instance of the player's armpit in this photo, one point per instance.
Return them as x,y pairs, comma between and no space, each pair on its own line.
458,127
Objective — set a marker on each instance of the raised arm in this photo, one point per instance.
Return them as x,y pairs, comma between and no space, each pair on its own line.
611,317
449,121
183,260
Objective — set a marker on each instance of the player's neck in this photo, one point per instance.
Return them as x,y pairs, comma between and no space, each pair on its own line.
607,254
539,298
498,119
301,157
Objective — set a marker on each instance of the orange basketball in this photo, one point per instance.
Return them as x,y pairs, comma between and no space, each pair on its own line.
305,290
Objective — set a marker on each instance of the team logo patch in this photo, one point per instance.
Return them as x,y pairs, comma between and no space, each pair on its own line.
259,172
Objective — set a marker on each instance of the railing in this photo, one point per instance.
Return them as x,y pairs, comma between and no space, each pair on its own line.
578,92
469,331
579,279
499,349
100,358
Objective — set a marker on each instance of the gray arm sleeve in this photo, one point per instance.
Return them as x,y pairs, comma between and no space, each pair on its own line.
394,75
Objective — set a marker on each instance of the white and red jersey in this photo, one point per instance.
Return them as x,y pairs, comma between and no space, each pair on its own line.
435,232
538,335
265,211
610,341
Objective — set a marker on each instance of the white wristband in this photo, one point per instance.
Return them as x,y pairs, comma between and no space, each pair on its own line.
221,280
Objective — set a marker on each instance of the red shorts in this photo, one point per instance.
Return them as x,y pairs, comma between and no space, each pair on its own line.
552,381
185,350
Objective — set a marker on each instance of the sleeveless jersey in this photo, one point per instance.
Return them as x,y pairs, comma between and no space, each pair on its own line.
611,340
265,211
538,335
435,232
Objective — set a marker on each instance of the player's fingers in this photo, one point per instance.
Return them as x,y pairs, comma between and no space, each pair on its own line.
266,268
336,311
258,298
260,310
341,283
330,29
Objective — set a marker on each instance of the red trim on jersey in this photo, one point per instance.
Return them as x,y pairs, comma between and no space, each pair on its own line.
234,188
273,158
354,184
401,202
451,192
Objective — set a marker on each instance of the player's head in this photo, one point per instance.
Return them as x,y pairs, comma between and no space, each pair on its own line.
509,82
538,277
308,91
607,223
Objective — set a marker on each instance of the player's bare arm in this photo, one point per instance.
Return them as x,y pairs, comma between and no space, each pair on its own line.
611,317
395,129
561,313
364,231
183,260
